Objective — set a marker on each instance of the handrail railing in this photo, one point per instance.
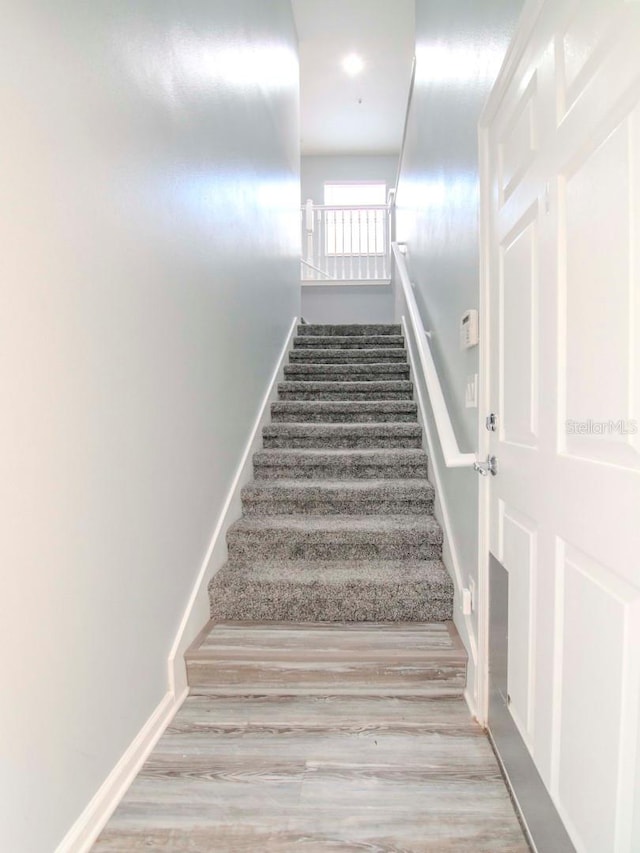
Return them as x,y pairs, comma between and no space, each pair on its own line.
412,84
453,457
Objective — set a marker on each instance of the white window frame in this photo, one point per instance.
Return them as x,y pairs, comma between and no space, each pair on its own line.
368,238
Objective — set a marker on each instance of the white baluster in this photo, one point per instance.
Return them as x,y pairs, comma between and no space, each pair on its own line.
376,217
359,244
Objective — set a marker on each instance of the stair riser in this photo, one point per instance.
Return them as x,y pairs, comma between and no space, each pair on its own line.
346,412
341,442
359,330
300,497
283,417
297,391
356,602
245,546
347,356
392,430
337,506
352,373
439,679
339,471
350,342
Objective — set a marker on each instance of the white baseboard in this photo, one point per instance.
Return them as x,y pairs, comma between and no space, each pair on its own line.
450,557
196,614
93,819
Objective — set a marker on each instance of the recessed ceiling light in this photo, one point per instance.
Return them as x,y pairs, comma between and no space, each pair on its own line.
353,64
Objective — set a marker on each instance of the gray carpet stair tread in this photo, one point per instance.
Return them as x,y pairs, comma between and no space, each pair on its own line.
432,572
354,525
343,435
349,497
300,457
326,372
336,390
388,463
346,458
345,356
344,411
372,428
358,329
311,342
371,489
332,590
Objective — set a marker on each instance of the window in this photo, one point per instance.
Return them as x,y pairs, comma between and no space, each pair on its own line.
355,195
357,225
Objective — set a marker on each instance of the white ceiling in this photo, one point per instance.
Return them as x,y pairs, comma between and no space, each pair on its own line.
354,115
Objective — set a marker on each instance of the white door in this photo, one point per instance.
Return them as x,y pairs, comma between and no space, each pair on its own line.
563,250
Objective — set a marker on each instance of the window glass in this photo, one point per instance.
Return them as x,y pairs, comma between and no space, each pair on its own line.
354,194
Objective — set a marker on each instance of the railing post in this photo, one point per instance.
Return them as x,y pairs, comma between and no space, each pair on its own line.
309,228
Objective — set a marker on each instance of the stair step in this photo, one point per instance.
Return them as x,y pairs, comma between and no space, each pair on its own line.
346,372
350,342
342,435
345,356
439,716
388,464
309,537
348,411
391,390
331,497
333,591
357,329
372,659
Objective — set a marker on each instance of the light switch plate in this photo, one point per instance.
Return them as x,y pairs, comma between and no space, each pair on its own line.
471,392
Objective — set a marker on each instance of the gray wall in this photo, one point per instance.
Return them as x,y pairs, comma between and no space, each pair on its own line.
349,303
459,49
149,273
315,170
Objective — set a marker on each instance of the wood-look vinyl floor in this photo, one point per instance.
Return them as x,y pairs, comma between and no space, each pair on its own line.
353,768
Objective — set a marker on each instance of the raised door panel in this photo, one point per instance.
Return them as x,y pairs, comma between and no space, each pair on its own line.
517,145
583,44
597,710
518,297
600,383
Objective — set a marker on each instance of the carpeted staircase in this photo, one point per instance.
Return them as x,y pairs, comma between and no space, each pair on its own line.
337,525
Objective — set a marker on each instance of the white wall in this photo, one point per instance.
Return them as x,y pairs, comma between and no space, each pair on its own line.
315,170
459,49
149,274
347,303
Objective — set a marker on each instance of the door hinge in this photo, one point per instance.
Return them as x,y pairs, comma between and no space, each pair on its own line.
492,422
486,468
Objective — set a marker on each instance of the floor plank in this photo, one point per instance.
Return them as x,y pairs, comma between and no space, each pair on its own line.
273,762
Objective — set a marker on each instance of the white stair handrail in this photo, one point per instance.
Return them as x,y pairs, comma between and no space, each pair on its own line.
453,457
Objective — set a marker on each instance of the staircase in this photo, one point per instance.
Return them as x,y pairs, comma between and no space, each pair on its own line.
337,525
325,706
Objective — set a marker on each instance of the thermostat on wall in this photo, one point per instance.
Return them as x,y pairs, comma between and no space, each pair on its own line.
469,329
